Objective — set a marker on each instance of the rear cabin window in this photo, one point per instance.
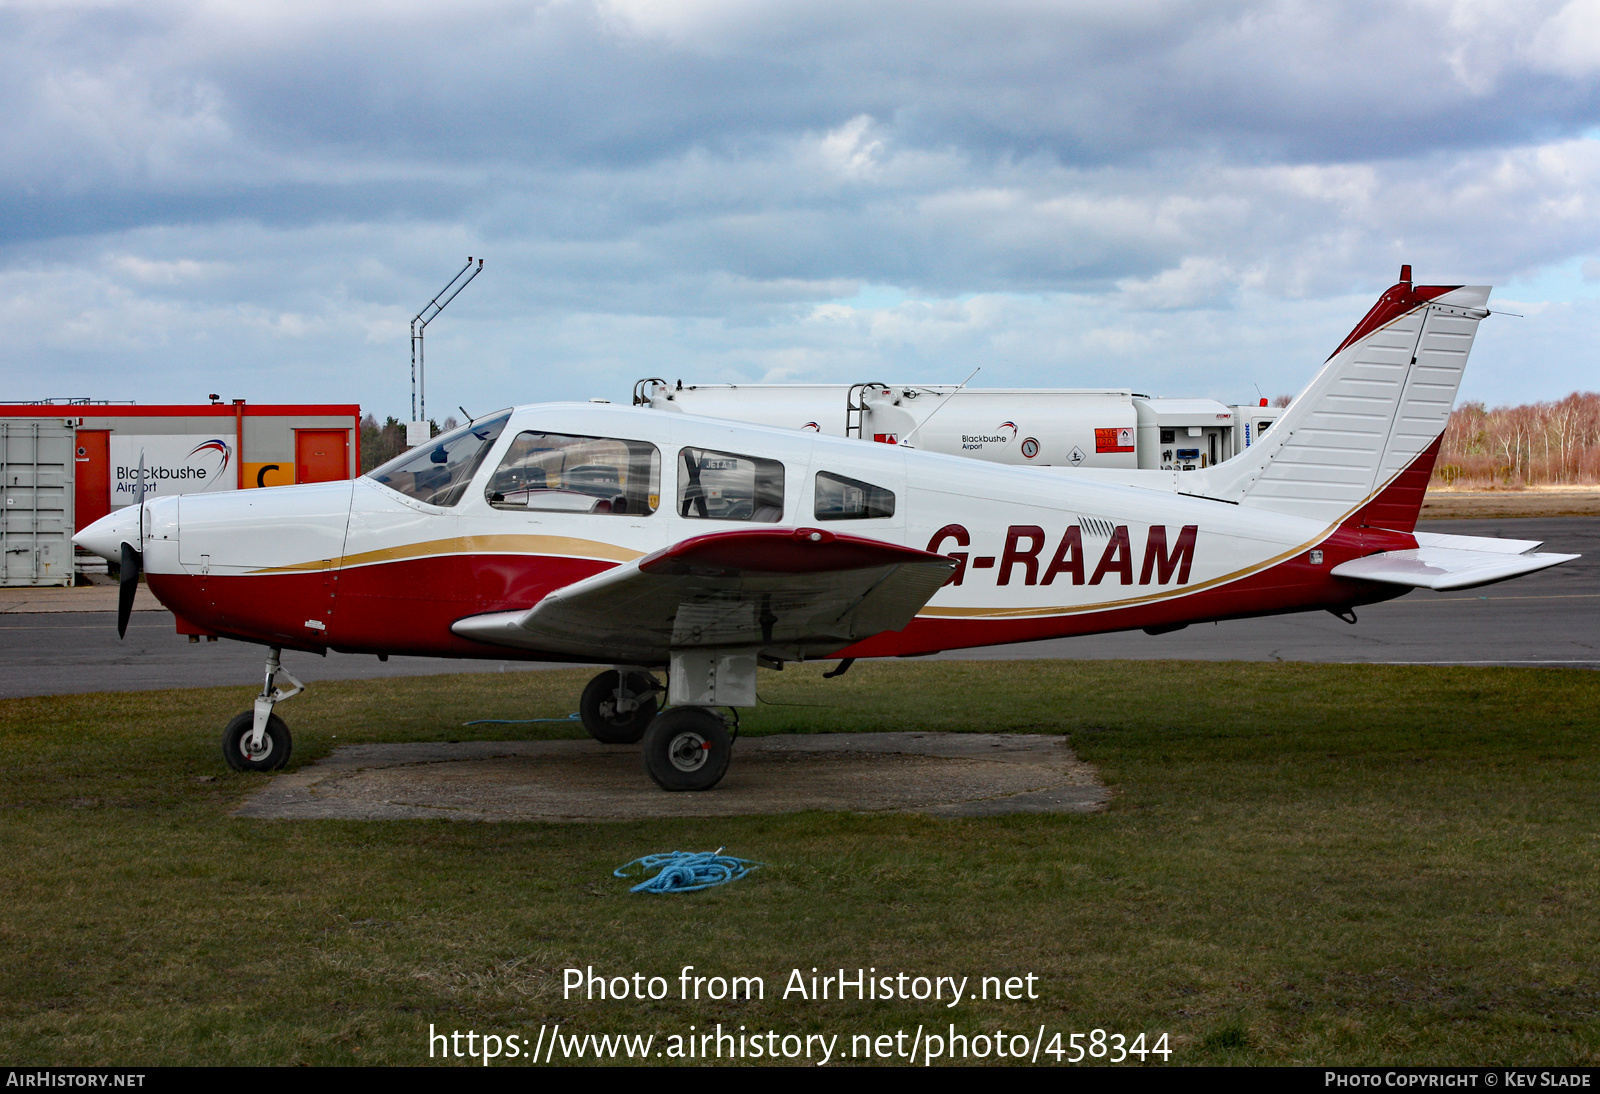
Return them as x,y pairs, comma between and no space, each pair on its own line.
561,473
728,486
840,498
438,472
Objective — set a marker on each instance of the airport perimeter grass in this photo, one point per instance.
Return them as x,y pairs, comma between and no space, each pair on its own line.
1302,864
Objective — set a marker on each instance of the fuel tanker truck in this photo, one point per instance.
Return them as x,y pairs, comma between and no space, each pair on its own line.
1113,428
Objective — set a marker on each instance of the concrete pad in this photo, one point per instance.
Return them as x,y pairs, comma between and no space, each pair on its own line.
947,774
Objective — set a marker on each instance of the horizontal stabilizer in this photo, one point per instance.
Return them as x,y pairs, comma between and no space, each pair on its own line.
1492,544
1442,562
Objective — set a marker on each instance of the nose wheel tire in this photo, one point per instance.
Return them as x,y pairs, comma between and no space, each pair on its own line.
687,748
275,744
618,719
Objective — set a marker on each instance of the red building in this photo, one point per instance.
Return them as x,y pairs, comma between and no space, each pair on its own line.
186,448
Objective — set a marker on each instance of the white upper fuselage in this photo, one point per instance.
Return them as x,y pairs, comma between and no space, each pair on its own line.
349,526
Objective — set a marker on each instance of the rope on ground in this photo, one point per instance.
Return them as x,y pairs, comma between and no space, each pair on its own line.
573,717
687,871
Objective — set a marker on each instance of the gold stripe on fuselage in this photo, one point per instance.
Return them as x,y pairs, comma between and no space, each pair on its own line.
565,546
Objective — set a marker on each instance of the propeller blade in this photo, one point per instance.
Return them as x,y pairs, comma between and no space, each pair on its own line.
132,563
140,500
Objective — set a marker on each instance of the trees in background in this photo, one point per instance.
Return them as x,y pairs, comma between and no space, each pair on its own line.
1537,444
382,443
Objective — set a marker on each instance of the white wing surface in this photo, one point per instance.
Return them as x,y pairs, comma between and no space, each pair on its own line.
797,592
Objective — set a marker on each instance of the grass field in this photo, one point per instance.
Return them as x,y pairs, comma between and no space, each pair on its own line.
1301,864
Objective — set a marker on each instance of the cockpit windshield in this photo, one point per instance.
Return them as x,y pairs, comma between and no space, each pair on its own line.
438,472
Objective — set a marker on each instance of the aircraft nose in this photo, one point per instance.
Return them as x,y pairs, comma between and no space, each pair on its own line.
106,536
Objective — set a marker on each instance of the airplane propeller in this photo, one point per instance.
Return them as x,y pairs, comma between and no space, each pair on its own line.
132,564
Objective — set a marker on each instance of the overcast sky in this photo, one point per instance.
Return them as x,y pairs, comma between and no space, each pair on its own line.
1183,198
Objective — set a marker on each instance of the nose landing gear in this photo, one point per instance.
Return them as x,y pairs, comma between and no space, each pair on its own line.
243,755
257,739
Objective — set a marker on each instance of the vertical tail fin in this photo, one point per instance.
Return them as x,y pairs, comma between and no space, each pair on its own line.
1360,440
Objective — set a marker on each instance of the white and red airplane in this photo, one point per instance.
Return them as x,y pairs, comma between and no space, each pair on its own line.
583,532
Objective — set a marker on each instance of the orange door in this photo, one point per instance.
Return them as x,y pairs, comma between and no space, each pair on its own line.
321,455
91,477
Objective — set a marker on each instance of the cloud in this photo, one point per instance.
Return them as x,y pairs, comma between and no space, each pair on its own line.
851,151
1568,42
1185,196
1196,282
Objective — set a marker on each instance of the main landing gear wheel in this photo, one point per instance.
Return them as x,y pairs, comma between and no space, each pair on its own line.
687,748
274,750
617,707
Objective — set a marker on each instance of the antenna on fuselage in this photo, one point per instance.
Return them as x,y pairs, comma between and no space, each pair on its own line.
906,440
419,326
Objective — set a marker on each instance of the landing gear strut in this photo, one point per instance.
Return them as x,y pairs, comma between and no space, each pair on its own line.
258,740
617,706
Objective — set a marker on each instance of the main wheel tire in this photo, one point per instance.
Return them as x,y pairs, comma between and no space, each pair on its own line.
687,748
275,745
598,707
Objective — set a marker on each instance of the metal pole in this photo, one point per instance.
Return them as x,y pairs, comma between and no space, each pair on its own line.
419,326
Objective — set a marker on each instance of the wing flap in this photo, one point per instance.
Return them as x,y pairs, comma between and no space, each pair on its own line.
1443,562
803,592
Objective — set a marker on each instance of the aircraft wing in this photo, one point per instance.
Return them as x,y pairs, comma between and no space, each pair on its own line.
1443,562
801,592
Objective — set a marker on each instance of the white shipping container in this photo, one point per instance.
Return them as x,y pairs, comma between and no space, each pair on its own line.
36,477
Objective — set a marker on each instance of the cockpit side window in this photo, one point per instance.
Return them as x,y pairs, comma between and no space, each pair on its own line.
840,498
561,473
727,486
438,472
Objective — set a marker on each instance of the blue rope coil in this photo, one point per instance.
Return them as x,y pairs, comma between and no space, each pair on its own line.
687,871
573,717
